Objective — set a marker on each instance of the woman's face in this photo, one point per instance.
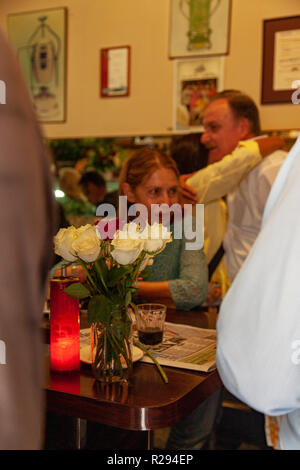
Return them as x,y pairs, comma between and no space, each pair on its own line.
161,187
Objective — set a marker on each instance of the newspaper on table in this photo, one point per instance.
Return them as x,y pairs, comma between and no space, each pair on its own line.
85,337
186,347
183,346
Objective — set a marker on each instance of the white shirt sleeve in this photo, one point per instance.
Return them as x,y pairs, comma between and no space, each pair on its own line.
222,177
258,351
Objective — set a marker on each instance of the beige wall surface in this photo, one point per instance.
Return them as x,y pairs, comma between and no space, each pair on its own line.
144,25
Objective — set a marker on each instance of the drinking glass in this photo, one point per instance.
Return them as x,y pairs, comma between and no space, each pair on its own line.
150,319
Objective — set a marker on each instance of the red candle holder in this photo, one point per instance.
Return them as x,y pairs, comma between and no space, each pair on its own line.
64,327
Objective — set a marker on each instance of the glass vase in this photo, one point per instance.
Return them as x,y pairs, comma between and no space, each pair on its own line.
112,347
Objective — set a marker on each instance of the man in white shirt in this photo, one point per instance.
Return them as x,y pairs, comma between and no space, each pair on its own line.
258,350
232,117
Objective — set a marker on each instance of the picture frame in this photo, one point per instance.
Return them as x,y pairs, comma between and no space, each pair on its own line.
281,59
115,72
199,28
196,81
40,40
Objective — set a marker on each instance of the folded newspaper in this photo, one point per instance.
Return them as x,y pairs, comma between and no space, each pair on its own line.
183,346
186,347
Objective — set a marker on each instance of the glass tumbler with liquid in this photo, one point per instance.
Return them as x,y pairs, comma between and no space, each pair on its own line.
150,320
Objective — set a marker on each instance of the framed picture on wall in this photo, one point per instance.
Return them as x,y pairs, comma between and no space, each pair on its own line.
196,81
115,72
281,59
39,38
199,27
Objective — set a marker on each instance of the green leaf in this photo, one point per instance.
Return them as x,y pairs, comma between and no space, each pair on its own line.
77,291
99,309
116,274
101,269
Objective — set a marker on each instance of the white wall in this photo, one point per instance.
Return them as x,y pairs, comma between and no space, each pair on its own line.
144,25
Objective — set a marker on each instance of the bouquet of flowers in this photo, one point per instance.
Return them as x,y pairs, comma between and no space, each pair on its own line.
112,258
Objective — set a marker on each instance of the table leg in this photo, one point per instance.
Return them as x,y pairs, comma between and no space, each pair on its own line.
77,434
149,440
80,433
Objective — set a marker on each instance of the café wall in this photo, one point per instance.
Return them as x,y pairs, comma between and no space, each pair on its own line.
144,25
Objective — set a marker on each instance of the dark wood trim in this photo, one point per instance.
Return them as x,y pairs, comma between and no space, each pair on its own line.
270,27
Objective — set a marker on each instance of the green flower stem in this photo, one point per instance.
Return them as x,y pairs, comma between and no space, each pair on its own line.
145,350
98,270
122,348
115,354
88,275
136,272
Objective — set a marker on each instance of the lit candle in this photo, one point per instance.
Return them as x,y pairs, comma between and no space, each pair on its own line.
64,327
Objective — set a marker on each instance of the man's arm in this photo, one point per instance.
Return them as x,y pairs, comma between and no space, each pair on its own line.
221,178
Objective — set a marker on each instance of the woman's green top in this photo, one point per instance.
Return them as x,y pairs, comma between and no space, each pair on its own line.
186,271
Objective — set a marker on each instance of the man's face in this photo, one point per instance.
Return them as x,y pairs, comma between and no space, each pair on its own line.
94,193
222,130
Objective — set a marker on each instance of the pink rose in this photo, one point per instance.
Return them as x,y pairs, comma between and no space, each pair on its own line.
107,228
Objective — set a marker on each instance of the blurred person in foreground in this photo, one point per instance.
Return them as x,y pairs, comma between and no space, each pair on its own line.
258,350
28,224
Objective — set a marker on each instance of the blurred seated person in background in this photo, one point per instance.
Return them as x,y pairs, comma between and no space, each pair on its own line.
178,276
74,202
94,187
189,153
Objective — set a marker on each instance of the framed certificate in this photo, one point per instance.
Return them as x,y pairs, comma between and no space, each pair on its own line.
115,72
281,59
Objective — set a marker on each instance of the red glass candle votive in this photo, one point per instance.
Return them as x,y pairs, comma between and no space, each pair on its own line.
64,327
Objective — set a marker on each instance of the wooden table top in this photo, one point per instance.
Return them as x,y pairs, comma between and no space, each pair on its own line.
146,402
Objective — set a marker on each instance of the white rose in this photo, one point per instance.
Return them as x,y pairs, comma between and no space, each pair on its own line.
156,237
83,228
63,243
87,245
126,250
130,230
148,261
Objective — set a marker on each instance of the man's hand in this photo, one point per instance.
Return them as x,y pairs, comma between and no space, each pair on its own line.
269,145
187,194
